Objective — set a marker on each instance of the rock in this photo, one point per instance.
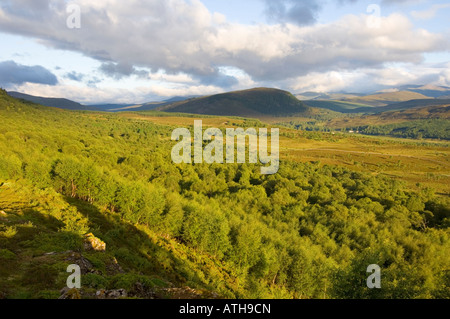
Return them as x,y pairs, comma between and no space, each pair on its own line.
100,294
93,243
115,294
67,293
85,265
111,294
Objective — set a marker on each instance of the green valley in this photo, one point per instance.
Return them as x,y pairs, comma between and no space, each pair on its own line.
339,203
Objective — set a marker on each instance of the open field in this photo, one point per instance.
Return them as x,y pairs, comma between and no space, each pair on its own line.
416,164
182,120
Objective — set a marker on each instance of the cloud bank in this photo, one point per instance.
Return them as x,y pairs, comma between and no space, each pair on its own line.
12,73
179,36
184,41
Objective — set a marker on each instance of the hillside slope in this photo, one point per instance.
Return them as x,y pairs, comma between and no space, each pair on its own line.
382,99
430,90
52,102
248,103
43,229
224,230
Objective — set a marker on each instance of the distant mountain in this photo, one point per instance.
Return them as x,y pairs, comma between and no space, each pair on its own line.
412,95
52,102
181,98
413,104
258,102
305,96
393,94
341,106
392,99
348,107
147,106
430,90
108,107
383,99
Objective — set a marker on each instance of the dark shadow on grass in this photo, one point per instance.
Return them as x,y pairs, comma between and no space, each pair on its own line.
32,254
133,248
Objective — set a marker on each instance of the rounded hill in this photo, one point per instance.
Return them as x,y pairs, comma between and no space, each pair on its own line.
248,103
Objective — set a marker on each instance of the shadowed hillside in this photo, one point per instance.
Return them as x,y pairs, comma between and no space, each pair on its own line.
52,102
249,103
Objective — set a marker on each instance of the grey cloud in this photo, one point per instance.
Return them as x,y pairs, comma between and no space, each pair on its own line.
74,76
220,80
116,70
33,9
120,70
93,82
300,12
12,73
152,34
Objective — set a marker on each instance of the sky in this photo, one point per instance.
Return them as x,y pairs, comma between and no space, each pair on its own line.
115,51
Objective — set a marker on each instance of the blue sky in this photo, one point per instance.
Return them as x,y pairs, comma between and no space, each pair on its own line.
137,51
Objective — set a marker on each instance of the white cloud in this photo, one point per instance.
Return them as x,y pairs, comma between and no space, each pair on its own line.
323,82
172,78
184,37
370,80
116,95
